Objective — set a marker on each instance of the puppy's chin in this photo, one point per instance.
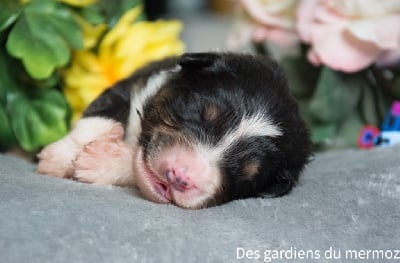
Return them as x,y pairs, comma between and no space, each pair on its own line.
149,185
194,192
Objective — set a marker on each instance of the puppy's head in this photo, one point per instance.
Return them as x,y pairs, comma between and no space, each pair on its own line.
220,127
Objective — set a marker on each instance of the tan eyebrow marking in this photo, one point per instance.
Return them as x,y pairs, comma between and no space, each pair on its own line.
211,112
250,168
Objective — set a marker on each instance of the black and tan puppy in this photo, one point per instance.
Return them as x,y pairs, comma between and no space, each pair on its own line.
195,131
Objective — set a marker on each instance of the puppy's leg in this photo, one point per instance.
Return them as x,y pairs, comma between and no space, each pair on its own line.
104,119
94,151
105,161
57,158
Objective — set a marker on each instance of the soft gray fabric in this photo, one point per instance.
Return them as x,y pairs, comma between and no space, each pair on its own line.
345,200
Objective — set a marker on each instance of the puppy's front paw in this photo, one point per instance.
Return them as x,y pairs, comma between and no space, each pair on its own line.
105,161
57,158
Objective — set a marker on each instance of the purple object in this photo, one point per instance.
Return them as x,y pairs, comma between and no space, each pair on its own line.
392,118
388,135
396,108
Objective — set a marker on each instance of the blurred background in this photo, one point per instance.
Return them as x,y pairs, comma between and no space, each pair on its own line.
206,23
341,59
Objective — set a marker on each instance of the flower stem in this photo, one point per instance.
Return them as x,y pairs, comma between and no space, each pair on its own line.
261,49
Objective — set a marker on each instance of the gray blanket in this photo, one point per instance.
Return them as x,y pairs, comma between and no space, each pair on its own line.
345,209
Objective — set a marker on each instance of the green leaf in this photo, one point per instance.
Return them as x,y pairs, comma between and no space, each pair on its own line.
348,131
42,37
9,12
5,79
301,74
51,82
396,86
369,107
92,14
38,117
115,9
322,134
29,116
7,137
337,94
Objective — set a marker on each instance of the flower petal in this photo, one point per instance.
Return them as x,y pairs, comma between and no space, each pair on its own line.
365,8
78,3
323,14
283,38
383,32
305,18
126,47
341,51
118,31
240,35
91,33
313,58
389,58
259,12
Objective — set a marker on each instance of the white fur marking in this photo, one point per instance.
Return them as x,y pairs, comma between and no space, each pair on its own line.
255,125
90,128
57,158
139,98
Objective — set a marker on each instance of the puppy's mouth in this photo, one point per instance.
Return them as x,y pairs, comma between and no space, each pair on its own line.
177,187
151,186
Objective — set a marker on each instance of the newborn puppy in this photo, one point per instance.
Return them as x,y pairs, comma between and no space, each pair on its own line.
194,131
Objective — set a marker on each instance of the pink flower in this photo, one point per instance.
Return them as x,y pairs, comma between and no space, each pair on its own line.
265,20
349,35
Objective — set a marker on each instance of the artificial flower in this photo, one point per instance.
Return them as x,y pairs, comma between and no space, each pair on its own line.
91,33
350,35
75,3
78,3
124,49
265,20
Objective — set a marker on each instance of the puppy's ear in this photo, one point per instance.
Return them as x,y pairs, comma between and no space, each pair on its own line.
197,60
282,184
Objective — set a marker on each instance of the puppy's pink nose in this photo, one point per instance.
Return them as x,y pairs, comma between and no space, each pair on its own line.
178,177
180,168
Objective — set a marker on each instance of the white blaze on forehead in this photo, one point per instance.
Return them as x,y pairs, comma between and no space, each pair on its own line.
253,125
139,97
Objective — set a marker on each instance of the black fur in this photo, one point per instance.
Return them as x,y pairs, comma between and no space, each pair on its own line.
236,85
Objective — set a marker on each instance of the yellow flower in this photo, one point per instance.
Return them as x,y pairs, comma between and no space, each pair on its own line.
91,33
124,49
78,3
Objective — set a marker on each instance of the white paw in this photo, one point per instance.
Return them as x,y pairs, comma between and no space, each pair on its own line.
105,161
57,158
